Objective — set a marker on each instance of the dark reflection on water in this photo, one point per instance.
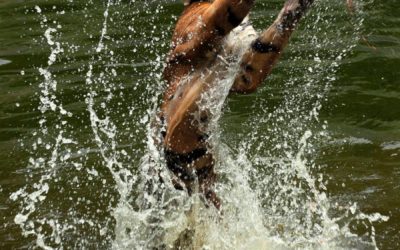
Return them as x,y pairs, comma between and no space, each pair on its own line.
362,159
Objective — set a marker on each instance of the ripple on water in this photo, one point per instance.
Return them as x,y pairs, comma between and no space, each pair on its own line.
351,140
4,61
392,145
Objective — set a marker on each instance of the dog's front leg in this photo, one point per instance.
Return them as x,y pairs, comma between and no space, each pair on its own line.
264,52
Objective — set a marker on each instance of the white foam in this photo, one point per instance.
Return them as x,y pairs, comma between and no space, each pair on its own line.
20,219
351,140
393,145
4,61
38,9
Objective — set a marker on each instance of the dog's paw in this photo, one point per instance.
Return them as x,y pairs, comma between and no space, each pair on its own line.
292,11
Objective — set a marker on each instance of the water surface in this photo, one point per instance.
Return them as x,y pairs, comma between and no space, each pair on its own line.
78,88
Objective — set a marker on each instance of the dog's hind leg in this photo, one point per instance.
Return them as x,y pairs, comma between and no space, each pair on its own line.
264,52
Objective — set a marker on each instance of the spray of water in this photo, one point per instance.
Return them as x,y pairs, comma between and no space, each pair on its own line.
103,191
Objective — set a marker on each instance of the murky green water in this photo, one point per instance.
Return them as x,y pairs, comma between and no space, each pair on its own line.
359,155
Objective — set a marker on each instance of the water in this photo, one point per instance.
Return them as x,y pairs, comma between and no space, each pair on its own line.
309,161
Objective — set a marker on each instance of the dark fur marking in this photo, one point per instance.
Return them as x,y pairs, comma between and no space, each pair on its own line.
233,19
246,80
204,172
189,2
260,47
248,68
187,158
176,59
163,131
203,138
204,118
177,163
220,31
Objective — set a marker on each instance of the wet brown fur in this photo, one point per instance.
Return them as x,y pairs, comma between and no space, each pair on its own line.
196,42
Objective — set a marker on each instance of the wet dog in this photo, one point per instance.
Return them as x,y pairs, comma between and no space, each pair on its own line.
205,34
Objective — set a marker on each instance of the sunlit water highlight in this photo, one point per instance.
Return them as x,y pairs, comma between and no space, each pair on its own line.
273,194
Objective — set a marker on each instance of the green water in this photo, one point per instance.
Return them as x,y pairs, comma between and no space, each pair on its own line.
360,157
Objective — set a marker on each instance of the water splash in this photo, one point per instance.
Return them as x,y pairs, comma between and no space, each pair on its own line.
273,193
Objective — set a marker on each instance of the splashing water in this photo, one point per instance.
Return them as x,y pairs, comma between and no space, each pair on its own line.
89,167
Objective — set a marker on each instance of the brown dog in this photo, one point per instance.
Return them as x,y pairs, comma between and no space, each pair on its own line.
207,32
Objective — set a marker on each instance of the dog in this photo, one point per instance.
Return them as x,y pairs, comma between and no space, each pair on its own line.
207,32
